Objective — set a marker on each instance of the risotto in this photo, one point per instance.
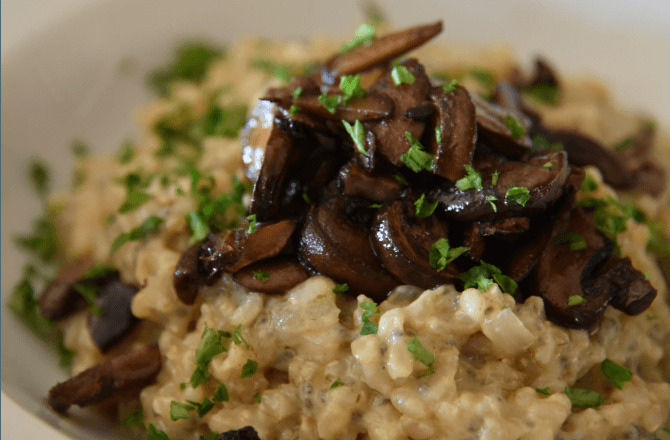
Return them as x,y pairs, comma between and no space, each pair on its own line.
456,358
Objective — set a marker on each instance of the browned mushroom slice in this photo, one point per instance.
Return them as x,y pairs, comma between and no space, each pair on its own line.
402,243
254,137
508,96
371,107
494,122
116,319
474,240
544,182
59,298
562,272
332,245
355,182
277,275
240,248
544,74
455,121
127,372
186,278
507,228
382,49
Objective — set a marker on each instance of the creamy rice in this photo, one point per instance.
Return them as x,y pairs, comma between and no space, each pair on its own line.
490,353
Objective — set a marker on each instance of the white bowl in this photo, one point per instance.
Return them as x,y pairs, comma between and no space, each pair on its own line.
61,80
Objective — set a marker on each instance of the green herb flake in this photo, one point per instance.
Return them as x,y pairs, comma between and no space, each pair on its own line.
364,34
415,158
148,227
472,180
576,241
517,194
423,208
249,369
294,110
548,165
453,84
422,355
583,398
338,383
209,346
23,302
491,200
350,85
374,14
202,408
190,63
483,76
179,410
494,178
329,102
357,133
221,393
280,71
260,275
483,276
90,294
98,270
339,289
252,224
616,374
543,391
543,93
198,227
79,148
306,198
401,179
368,327
541,144
576,300
257,397
154,433
658,242
589,184
624,144
126,153
374,205
134,199
135,418
238,338
40,177
441,254
438,135
401,75
297,92
515,127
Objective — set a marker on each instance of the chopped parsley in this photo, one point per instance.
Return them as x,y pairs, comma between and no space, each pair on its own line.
23,302
543,391
134,199
453,84
483,276
297,92
548,165
199,228
202,408
364,34
543,93
221,121
541,144
494,178
589,184
624,144
483,76
90,294
515,127
190,64
374,14
154,433
260,275
210,345
294,110
221,393
280,71
252,224
238,338
148,227
40,177
357,133
339,289
492,199
438,135
338,383
517,194
441,254
576,300
350,85
400,179
257,397
616,374
415,158
306,198
583,398
135,418
179,410
422,355
576,241
401,75
472,180
423,208
79,148
368,327
126,153
249,369
329,102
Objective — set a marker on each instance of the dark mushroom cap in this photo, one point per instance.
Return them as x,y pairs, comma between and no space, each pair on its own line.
114,300
59,298
276,275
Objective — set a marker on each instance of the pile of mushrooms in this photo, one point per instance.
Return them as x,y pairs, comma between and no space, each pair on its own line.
326,206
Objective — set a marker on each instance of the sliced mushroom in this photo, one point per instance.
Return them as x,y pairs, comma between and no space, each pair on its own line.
187,278
355,182
492,121
127,372
544,74
456,122
332,245
114,300
369,108
277,275
246,433
254,137
59,298
402,243
381,50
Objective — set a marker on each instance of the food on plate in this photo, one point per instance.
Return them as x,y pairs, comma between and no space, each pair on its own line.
382,246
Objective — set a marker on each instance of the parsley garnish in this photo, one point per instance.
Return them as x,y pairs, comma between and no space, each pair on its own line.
126,153
541,144
368,327
204,407
179,410
252,224
199,228
350,85
294,110
337,383
583,398
154,433
210,345
260,275
515,128
364,34
79,148
472,180
576,241
492,199
589,184
484,275
423,208
616,374
90,294
517,194
624,144
451,86
135,418
576,300
441,254
438,135
494,178
415,158
548,165
297,92
134,199
257,397
373,14
98,270
221,393
422,355
148,227
543,391
23,303
249,369
221,121
357,133
238,338
401,75
190,64
339,289
400,179
40,177
483,76
543,93
330,103
282,72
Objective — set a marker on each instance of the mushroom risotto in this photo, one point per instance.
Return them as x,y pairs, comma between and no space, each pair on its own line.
388,244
